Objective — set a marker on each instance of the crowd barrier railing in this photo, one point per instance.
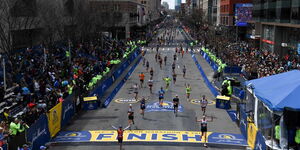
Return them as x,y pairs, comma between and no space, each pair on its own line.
48,125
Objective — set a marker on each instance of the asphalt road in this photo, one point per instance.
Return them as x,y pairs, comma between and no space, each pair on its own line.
116,112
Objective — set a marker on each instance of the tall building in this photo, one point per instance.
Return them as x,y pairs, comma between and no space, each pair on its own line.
277,23
177,5
165,5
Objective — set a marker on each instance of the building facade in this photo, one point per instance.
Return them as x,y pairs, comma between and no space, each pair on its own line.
177,5
277,23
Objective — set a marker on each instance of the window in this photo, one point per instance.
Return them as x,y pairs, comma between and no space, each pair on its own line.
295,13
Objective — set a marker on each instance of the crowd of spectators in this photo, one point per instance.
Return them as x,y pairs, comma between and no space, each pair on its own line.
255,63
42,77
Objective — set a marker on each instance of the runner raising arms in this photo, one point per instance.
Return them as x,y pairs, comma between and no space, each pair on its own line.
120,132
176,104
184,71
188,90
161,93
203,124
203,103
142,77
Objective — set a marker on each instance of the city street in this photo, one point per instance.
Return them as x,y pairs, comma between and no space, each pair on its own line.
116,113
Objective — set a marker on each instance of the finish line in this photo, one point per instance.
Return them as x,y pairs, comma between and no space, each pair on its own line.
155,136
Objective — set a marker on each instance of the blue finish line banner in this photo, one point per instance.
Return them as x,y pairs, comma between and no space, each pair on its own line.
167,106
151,136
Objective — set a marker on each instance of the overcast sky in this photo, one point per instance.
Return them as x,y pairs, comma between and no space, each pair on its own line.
172,3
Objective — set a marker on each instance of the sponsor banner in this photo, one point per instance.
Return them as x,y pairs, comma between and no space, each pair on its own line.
166,106
252,131
126,100
132,136
54,119
68,111
198,102
224,138
38,134
260,142
243,122
151,136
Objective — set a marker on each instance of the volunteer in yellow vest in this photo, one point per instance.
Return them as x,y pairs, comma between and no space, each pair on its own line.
17,126
277,133
297,137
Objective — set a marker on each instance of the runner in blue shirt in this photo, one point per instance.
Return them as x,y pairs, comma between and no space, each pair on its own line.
161,93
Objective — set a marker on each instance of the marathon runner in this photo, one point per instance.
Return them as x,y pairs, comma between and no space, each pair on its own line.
150,84
147,66
136,91
203,103
182,53
203,125
176,104
156,57
173,67
142,77
175,57
161,93
184,71
143,106
174,77
188,90
151,72
160,62
167,80
120,132
165,59
130,115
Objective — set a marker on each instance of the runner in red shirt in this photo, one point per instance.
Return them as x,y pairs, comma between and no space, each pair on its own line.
120,132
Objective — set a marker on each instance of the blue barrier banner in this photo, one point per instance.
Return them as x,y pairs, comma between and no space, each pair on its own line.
38,134
243,122
260,142
207,82
119,86
224,138
68,111
103,87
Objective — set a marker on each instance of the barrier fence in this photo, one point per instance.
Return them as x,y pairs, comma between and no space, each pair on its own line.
48,125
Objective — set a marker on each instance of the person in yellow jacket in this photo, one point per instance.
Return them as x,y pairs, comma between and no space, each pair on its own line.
17,126
297,137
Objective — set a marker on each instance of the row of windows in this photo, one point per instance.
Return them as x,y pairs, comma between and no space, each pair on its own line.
225,20
283,14
224,8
